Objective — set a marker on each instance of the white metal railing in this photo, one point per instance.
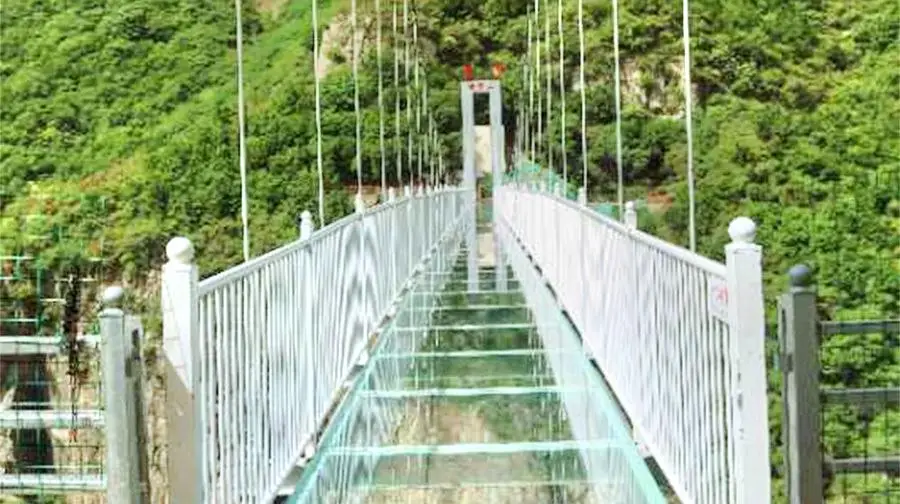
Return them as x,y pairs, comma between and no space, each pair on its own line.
615,472
679,337
261,350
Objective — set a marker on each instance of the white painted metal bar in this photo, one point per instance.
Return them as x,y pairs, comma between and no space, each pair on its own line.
481,448
53,483
265,347
678,336
41,345
52,419
587,403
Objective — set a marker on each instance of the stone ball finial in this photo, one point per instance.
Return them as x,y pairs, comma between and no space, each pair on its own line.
800,275
112,295
742,230
180,250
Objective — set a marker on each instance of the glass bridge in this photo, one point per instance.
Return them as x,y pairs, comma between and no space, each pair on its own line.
473,397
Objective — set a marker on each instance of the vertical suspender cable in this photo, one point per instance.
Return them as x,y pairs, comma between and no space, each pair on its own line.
356,110
437,152
397,99
316,78
549,117
530,116
584,150
415,30
426,150
434,149
408,96
688,105
520,117
562,95
537,73
618,98
242,141
380,100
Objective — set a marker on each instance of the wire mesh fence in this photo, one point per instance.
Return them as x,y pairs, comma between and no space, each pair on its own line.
51,406
841,402
860,415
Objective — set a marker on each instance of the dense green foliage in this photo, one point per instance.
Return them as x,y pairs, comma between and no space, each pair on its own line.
118,123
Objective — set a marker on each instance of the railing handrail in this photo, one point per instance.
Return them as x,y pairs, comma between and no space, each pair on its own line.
209,284
694,259
258,353
663,318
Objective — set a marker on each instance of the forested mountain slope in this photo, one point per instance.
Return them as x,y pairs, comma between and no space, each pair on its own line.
118,124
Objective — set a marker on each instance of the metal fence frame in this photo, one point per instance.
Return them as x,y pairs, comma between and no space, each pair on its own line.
126,479
800,333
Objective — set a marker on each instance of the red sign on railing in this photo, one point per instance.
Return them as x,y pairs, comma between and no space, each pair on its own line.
717,298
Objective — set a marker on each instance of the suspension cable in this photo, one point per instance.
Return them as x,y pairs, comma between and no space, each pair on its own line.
355,47
415,30
537,73
434,150
584,149
380,100
409,149
618,98
530,72
562,94
549,91
399,152
688,105
319,170
242,140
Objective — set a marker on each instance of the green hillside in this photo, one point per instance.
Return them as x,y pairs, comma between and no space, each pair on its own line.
119,127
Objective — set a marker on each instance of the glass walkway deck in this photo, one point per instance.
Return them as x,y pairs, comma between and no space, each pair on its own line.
472,398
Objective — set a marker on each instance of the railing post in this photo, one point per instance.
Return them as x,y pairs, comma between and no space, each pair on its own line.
630,216
360,207
181,344
746,320
122,409
582,196
410,242
392,199
306,225
797,331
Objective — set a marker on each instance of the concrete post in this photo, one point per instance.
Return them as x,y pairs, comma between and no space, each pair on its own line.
181,344
123,406
798,339
743,261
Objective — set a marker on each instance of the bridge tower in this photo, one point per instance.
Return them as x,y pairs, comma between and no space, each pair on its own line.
468,89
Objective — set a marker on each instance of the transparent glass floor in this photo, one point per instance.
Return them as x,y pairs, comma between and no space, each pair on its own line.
462,403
